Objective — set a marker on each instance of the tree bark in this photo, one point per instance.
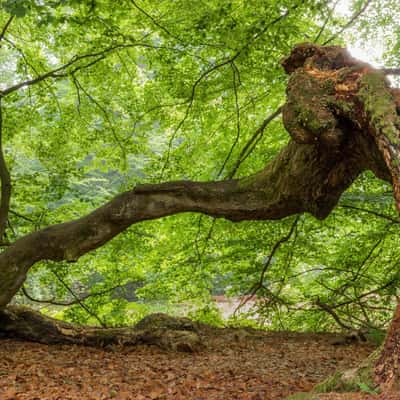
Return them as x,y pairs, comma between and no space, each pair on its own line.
387,368
166,332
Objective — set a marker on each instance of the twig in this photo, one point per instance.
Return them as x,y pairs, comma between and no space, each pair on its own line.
55,73
252,292
55,302
214,68
384,216
78,300
104,111
189,107
249,146
366,294
4,30
22,216
237,110
273,22
331,10
156,23
334,315
349,23
371,252
60,72
390,71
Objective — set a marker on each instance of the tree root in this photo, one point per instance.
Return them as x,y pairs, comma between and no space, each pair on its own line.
169,333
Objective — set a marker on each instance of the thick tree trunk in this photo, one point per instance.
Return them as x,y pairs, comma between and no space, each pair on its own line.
387,369
332,96
343,118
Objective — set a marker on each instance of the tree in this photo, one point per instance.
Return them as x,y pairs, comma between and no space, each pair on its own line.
341,114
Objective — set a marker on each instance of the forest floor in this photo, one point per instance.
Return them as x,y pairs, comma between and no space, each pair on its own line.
235,364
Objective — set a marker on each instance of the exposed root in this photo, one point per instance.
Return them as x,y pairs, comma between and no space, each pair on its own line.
176,334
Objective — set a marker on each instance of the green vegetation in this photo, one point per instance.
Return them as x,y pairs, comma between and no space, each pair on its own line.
144,92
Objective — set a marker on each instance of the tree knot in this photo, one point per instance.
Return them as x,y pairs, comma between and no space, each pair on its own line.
310,55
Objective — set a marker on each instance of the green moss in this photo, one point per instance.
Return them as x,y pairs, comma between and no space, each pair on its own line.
344,106
352,380
329,87
248,181
380,105
331,384
308,115
303,396
355,380
315,119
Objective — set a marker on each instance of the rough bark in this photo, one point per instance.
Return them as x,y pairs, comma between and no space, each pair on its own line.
343,118
169,333
387,368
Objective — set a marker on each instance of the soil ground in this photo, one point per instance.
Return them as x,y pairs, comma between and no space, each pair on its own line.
235,364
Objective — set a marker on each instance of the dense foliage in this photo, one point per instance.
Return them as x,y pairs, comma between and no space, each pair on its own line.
157,91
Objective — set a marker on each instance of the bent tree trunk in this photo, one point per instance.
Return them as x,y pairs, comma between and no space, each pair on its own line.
343,119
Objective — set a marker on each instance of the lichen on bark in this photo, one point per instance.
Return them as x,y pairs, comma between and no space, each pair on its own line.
380,105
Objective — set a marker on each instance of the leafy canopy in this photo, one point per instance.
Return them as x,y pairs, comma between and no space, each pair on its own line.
145,91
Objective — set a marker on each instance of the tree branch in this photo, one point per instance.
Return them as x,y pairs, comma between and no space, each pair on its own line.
4,30
118,141
78,300
260,284
324,25
349,23
190,105
60,72
56,302
141,10
296,181
372,212
391,282
390,71
215,67
5,183
235,83
334,315
251,143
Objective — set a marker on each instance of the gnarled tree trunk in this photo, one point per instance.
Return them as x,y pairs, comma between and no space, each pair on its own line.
343,119
387,368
